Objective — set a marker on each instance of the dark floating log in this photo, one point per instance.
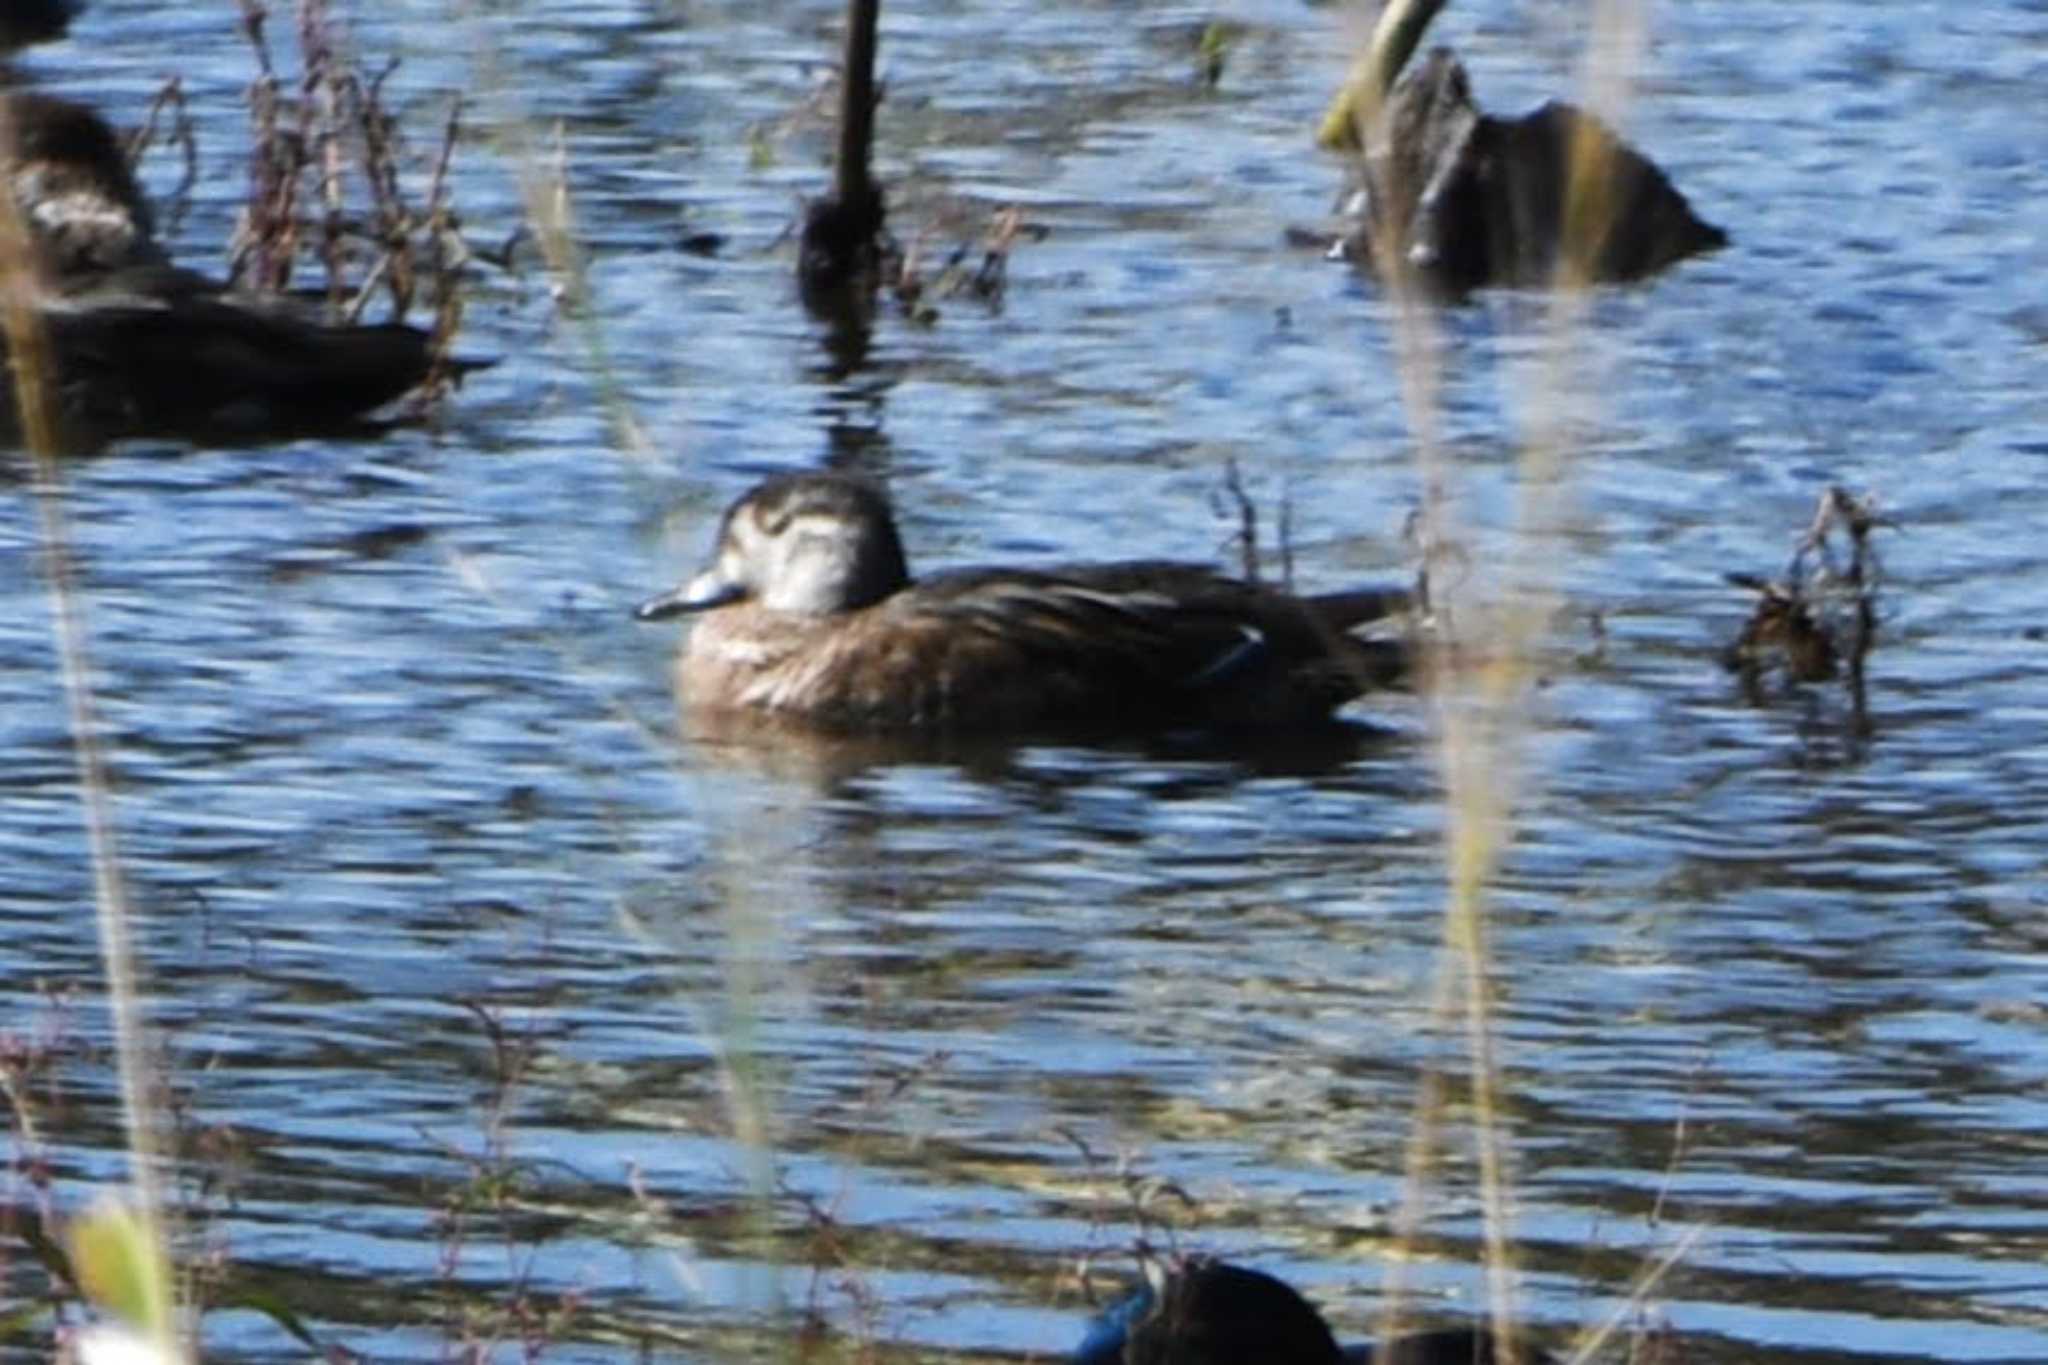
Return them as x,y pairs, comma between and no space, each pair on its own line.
1209,1313
1467,199
141,347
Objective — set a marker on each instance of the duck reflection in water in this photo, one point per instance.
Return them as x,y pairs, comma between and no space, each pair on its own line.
810,613
1206,1312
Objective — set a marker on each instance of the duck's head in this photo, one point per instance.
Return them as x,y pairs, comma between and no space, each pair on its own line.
809,544
69,173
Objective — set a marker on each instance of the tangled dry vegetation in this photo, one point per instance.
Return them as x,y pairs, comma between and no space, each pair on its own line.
326,184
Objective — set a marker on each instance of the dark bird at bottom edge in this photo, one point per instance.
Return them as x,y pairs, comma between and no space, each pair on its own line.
808,611
1208,1312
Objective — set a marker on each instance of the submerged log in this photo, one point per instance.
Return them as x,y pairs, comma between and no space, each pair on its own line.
1457,199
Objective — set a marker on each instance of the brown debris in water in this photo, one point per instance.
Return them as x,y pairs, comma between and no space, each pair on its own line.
960,274
1820,620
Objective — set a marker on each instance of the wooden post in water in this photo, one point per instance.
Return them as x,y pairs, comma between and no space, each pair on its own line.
840,231
857,102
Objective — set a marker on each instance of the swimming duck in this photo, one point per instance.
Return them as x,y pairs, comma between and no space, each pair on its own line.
1207,1312
809,611
143,347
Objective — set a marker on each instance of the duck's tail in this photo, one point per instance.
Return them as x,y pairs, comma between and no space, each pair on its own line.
1362,606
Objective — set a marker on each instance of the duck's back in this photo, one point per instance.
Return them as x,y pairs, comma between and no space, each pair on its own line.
200,360
1137,645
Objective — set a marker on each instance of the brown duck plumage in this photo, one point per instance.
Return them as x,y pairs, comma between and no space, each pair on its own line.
809,611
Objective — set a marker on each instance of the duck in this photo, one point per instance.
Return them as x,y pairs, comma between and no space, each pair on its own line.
807,610
1209,1312
25,22
142,347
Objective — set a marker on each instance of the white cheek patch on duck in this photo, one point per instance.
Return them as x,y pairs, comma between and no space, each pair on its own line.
816,526
744,535
814,565
735,567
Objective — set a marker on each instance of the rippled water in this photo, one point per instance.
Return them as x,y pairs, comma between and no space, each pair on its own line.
389,748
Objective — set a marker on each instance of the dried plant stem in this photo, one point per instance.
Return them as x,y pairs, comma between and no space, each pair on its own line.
551,218
35,390
544,182
1419,364
1480,695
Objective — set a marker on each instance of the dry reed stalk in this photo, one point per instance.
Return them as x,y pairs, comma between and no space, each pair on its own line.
1483,663
267,239
1417,341
35,397
336,142
169,106
551,220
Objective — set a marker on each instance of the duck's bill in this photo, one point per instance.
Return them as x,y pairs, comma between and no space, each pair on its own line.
701,593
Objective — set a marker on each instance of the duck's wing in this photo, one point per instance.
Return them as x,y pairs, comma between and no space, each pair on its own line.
1163,623
1164,634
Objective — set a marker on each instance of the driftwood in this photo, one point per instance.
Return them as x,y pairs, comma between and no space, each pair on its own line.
1458,199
